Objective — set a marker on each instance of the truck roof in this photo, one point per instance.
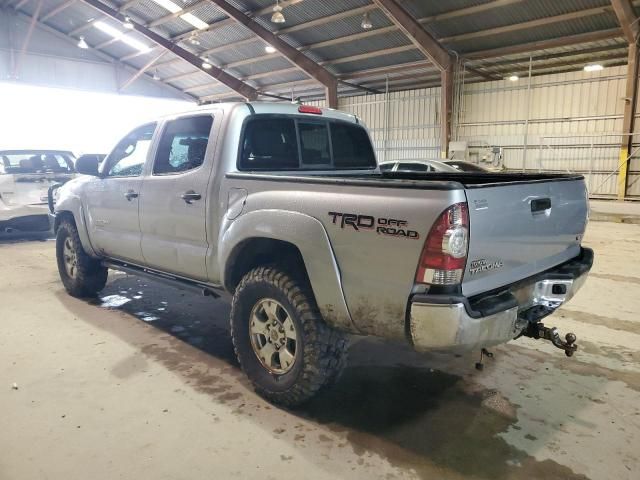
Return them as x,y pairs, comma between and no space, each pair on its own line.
285,108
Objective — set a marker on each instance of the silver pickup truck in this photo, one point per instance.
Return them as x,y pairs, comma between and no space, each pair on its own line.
284,207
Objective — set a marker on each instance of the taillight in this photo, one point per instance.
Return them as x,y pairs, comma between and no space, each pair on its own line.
444,254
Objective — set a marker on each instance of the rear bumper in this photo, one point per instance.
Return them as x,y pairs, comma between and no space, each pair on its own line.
457,323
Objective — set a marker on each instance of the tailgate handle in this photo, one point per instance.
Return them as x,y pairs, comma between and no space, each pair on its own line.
540,204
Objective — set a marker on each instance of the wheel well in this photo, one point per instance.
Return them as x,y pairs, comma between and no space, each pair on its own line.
62,216
263,251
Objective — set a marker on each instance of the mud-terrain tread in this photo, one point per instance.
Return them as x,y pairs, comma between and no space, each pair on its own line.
325,349
91,277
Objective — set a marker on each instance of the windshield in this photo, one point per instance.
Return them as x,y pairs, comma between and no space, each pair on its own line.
35,162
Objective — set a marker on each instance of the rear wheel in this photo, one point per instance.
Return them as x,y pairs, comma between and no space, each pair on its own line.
281,340
81,275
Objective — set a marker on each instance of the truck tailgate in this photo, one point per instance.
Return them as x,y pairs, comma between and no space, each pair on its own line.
522,228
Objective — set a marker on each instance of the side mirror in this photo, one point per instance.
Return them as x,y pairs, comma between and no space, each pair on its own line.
88,164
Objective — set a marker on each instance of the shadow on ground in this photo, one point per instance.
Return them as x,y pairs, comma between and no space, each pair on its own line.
397,407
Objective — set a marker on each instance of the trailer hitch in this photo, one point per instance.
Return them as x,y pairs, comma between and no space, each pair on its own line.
539,331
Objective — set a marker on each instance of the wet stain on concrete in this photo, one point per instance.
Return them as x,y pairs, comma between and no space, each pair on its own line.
419,419
609,322
617,278
423,419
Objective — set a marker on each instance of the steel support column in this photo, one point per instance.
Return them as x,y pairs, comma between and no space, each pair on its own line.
446,102
631,93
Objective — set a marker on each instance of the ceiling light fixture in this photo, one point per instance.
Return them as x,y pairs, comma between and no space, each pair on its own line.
187,17
513,78
156,77
193,39
127,23
205,63
82,43
269,49
277,16
593,67
118,35
366,21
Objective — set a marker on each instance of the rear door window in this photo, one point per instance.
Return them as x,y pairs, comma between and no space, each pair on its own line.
183,145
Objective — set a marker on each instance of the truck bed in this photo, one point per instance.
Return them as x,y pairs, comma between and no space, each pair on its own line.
437,181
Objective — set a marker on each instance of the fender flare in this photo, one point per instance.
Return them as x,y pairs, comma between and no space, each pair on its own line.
309,236
71,204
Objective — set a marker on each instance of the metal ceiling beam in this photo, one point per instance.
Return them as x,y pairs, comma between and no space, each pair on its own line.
141,71
233,83
227,21
292,54
54,11
423,40
173,16
372,72
20,4
108,58
627,19
27,40
540,22
128,5
550,56
545,44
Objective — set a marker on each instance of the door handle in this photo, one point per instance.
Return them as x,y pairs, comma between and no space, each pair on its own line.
130,195
189,196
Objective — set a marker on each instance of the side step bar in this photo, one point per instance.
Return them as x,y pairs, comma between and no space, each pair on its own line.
208,290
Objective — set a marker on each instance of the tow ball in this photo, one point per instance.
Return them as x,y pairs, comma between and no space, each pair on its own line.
539,331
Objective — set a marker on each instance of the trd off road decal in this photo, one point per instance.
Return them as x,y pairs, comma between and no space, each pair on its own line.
381,225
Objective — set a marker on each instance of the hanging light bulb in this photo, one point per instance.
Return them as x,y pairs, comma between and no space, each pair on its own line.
156,77
82,44
127,23
366,21
205,63
277,16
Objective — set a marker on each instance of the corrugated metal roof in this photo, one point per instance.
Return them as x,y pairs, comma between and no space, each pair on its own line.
346,37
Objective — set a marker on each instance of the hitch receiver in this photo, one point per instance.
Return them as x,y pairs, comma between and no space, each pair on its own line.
539,331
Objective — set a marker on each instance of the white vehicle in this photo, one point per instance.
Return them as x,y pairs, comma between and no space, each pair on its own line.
25,178
416,166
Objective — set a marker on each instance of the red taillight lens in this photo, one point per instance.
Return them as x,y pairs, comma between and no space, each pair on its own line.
444,254
309,109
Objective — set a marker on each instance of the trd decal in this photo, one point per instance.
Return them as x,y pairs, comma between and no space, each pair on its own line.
381,225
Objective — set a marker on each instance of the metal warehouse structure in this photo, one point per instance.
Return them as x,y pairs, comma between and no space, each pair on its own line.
337,50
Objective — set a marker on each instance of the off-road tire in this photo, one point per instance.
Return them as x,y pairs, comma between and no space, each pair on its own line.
320,350
90,276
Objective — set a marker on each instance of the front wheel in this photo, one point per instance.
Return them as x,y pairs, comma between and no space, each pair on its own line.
81,275
282,343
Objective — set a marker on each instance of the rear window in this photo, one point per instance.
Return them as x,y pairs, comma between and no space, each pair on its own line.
35,162
289,143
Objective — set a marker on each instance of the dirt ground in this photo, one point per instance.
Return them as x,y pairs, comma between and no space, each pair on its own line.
143,384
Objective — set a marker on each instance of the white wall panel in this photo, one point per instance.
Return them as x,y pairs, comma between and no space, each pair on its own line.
571,120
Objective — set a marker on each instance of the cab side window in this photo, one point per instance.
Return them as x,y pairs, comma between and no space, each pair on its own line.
129,156
183,145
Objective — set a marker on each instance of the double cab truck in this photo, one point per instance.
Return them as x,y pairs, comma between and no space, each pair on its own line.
284,207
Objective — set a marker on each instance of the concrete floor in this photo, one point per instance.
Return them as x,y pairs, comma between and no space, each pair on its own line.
143,385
